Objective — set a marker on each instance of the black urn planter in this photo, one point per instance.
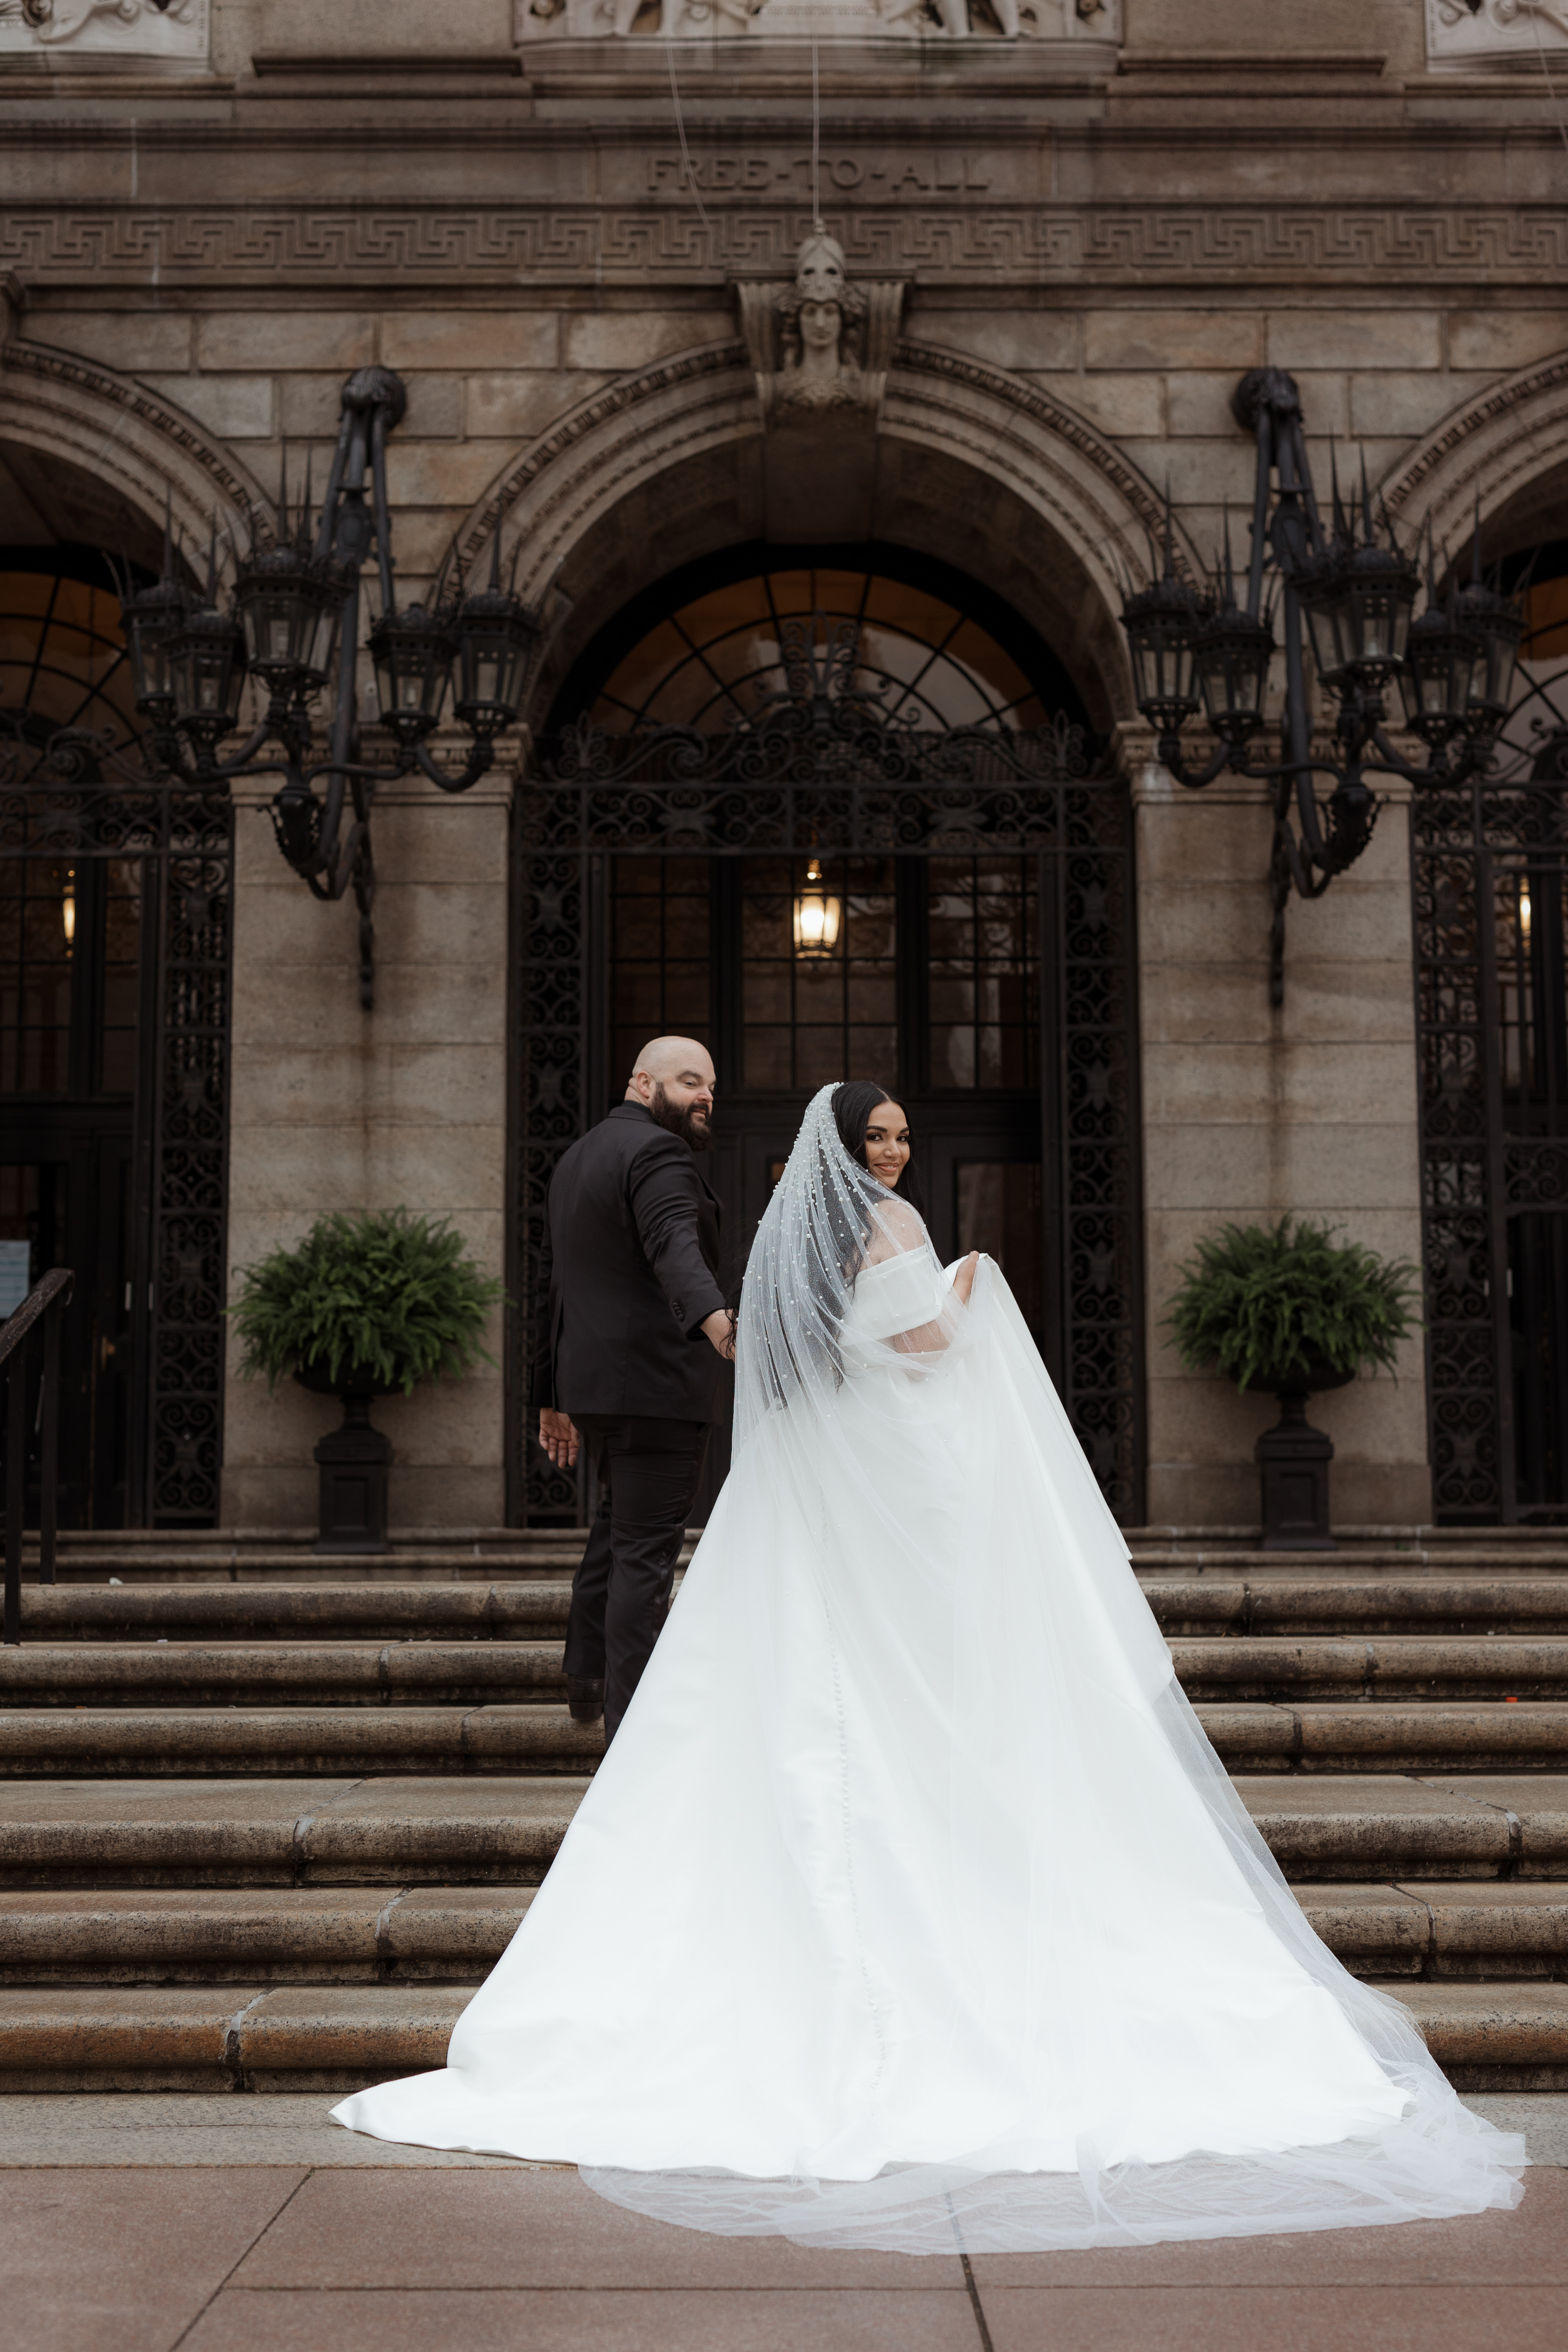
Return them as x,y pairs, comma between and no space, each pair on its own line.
354,1460
1294,1458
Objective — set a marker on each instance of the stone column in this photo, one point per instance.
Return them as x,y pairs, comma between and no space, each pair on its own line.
1250,1112
405,1106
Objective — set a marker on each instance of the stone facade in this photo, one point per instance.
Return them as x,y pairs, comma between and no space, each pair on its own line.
209,214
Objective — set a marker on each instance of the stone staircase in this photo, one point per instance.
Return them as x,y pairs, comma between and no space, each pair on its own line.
266,1819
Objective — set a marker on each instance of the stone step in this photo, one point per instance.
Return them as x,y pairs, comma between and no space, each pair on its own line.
397,1831
40,1743
346,1674
339,1831
335,1935
407,1671
1503,2035
480,1610
1273,1607
64,1743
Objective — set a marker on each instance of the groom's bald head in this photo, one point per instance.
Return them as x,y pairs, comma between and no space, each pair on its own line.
672,1077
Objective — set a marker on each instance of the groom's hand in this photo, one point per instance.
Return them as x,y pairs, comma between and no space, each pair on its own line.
559,1437
721,1329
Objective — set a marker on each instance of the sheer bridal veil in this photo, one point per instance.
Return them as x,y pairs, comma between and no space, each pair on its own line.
1043,1984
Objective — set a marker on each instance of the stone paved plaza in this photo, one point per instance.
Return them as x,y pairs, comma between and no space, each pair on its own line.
233,2224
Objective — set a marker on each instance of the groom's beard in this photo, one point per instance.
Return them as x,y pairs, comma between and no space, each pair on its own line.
692,1124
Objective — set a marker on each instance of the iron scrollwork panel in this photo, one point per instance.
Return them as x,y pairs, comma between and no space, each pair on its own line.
72,795
852,787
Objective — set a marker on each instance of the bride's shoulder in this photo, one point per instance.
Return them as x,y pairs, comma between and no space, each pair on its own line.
896,1229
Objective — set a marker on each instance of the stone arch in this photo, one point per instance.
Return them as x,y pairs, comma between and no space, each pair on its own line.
1506,448
133,443
971,464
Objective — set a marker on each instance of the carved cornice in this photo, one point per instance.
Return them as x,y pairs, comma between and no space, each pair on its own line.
956,239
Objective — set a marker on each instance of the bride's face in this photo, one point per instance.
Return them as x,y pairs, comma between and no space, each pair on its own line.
887,1143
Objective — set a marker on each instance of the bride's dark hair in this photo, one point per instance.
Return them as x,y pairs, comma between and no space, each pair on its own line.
853,1104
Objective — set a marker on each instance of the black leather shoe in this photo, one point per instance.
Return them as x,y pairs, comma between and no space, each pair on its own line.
586,1699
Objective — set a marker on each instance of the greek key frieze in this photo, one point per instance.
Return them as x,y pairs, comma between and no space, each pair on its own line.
663,236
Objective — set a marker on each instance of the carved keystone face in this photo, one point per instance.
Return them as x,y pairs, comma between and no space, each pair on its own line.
821,324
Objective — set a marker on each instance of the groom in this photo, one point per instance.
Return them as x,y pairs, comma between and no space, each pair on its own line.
628,1358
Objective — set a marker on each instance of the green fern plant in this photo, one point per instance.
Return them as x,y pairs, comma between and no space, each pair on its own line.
1283,1298
390,1295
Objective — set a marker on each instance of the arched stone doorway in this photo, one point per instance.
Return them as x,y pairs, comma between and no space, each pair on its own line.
886,728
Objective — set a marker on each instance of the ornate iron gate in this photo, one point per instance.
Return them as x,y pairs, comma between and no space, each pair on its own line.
1491,862
59,802
823,770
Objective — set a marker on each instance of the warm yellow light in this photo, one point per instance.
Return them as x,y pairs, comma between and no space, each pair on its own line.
1524,918
816,916
68,905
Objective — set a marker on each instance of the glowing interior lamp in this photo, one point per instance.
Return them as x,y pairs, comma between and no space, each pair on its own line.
1524,917
816,916
67,906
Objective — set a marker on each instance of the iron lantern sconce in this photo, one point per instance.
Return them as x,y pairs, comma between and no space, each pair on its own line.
817,915
1351,595
295,614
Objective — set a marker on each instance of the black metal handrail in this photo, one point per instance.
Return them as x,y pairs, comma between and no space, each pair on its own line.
44,1303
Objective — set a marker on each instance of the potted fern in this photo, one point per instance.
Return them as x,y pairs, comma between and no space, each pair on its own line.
365,1304
1287,1309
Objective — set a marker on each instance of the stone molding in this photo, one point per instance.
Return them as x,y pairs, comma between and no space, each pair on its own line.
957,239
115,428
1049,460
1495,445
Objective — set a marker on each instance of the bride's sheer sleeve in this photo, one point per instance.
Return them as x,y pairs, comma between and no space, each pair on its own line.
903,1296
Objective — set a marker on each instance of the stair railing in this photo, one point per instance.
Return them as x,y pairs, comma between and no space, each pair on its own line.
45,1303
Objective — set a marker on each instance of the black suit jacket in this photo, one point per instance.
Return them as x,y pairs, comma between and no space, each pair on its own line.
629,1268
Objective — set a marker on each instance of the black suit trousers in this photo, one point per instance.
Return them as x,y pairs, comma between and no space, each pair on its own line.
648,1470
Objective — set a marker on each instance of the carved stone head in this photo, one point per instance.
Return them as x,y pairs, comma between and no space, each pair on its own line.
820,269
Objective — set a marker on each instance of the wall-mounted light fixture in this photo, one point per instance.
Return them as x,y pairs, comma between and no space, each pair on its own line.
817,915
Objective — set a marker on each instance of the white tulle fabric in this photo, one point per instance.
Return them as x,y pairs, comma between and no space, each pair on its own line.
910,1907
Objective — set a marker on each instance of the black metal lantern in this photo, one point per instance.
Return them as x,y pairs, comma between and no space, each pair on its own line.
153,618
1441,661
206,669
1161,623
413,652
288,605
1233,653
1497,624
1357,602
497,636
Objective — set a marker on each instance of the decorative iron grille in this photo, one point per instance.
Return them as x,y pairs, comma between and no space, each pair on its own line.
1489,861
70,795
822,768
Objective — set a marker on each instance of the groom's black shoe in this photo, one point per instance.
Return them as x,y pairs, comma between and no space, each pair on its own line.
586,1699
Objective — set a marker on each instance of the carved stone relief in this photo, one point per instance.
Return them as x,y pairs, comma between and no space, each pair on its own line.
174,29
1486,33
821,344
819,20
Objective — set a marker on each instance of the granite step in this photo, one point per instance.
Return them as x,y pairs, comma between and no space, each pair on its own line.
402,1829
344,1830
1505,2035
66,1743
405,1670
1432,1930
479,1609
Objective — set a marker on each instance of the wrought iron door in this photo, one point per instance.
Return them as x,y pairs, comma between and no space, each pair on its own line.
822,771
156,1320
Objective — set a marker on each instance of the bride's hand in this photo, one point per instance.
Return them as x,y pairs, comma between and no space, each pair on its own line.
964,1280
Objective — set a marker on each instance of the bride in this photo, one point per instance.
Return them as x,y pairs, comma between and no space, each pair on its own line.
910,1907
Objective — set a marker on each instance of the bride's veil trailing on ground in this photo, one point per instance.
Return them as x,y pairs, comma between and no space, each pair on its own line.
1024,1868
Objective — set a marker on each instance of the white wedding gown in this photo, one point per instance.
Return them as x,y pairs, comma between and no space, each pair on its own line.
910,1907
